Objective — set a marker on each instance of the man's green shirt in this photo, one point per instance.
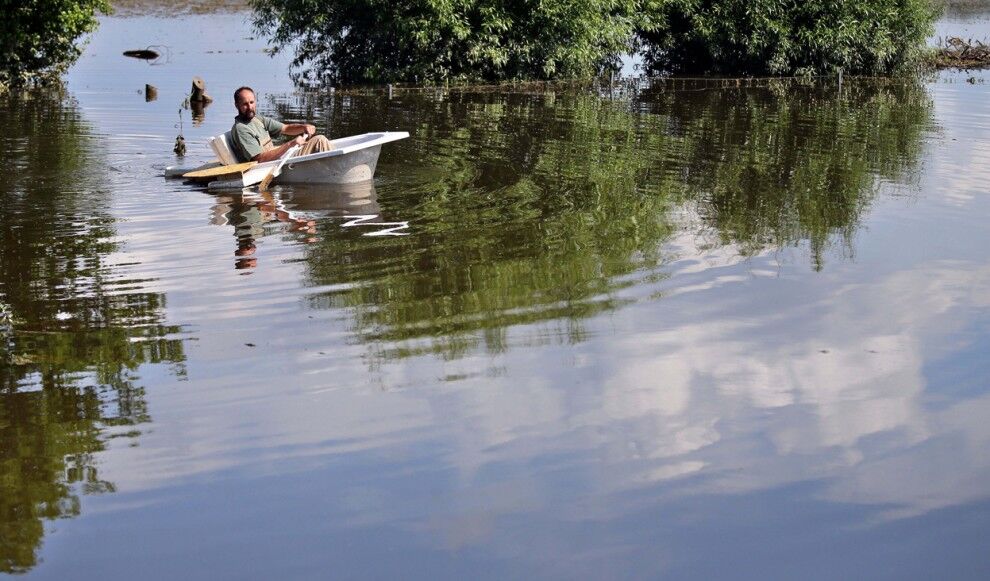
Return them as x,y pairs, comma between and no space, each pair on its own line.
251,138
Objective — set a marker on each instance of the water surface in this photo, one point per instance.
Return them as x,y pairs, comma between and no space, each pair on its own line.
692,330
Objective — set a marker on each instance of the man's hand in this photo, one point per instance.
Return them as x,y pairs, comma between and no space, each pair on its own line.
300,139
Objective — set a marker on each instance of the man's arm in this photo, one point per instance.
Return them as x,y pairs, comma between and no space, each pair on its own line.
277,152
299,129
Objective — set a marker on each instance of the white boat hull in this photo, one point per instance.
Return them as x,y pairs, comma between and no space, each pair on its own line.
349,168
352,160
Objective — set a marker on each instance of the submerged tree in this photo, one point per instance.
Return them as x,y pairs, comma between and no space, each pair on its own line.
38,38
362,41
785,37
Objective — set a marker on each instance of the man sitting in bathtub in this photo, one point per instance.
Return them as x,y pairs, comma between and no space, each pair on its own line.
252,134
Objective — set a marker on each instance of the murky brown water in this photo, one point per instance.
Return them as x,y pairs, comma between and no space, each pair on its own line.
180,8
689,331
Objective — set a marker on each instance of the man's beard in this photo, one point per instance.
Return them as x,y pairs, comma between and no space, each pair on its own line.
249,115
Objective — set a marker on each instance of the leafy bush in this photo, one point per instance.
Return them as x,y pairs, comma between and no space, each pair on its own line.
359,41
783,37
38,38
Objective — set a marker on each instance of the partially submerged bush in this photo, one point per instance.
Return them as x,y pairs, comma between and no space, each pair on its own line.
785,37
367,41
361,41
38,38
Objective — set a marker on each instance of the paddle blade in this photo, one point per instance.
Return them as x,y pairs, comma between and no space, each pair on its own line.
267,181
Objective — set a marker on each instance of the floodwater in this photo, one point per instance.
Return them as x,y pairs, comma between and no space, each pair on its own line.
688,331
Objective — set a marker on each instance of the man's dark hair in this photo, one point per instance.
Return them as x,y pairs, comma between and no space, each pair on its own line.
239,89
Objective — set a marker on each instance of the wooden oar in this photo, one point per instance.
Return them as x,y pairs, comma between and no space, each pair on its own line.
222,170
263,186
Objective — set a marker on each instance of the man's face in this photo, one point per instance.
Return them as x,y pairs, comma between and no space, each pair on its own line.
245,105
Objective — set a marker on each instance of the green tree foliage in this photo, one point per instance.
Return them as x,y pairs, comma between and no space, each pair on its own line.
360,41
38,37
784,37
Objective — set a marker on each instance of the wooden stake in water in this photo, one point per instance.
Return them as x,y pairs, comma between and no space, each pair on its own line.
180,141
198,92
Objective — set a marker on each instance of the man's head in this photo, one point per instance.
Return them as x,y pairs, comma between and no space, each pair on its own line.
244,101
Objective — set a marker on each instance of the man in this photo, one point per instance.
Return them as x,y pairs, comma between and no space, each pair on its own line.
252,133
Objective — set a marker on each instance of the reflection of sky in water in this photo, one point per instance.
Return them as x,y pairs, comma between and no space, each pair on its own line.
740,418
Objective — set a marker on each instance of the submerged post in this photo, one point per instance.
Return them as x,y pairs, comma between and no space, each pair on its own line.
198,94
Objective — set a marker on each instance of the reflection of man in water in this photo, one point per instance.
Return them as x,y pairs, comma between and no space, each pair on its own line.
252,134
249,216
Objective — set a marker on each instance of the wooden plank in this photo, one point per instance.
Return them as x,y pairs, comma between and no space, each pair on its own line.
178,172
215,172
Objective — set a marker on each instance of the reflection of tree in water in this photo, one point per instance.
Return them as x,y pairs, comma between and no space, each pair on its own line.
540,208
524,211
69,366
786,163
